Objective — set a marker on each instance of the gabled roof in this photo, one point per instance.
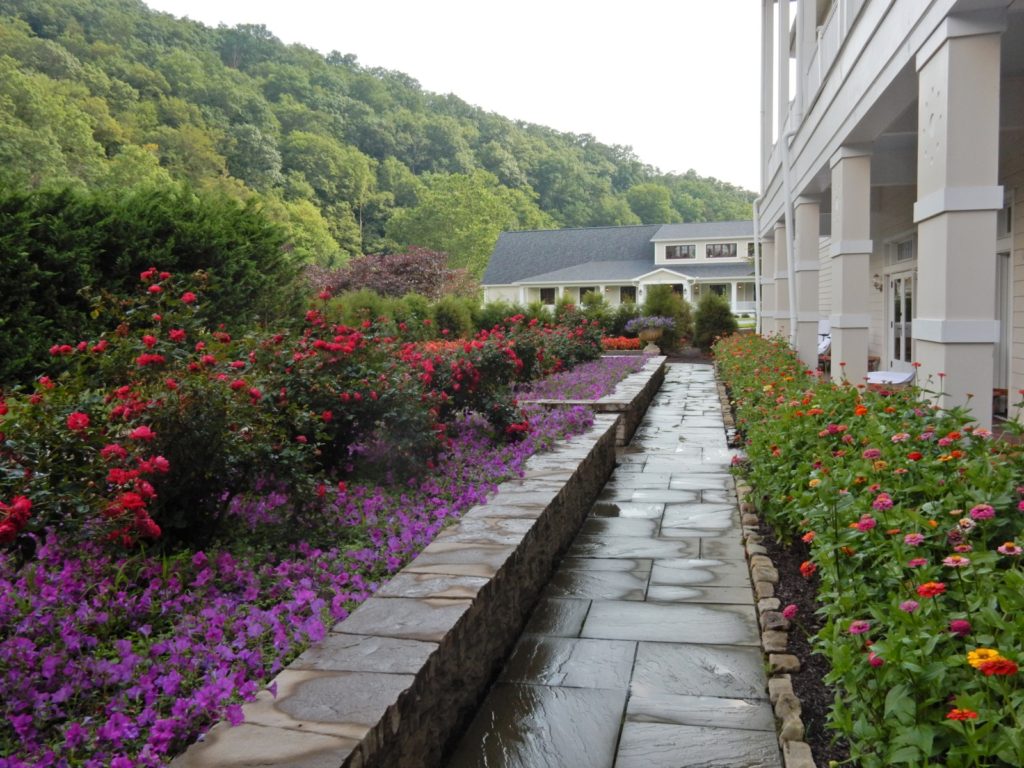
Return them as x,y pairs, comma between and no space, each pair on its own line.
523,255
594,272
710,271
700,230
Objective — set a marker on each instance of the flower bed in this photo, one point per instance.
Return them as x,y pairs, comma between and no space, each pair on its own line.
621,343
914,524
587,381
276,481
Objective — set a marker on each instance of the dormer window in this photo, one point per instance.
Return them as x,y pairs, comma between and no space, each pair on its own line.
681,251
721,250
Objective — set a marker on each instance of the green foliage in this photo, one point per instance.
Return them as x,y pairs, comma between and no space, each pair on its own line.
493,313
623,314
596,309
454,315
663,301
67,256
652,203
912,518
713,319
463,215
112,95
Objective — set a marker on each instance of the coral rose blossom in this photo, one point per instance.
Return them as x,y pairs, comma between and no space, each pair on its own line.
931,589
807,569
78,421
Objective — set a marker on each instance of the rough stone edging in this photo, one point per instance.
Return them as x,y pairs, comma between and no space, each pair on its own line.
409,720
796,753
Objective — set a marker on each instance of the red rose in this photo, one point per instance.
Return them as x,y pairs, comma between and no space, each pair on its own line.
78,421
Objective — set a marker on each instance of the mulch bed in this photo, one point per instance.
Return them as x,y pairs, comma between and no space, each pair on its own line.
808,684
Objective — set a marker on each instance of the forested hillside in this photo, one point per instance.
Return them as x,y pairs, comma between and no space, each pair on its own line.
107,95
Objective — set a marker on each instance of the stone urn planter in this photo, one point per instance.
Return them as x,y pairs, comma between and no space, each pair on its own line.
651,335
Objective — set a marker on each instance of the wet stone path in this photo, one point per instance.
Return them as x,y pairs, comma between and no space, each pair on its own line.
643,651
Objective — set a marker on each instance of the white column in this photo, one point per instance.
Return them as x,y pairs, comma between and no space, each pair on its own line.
767,74
735,296
781,282
767,288
807,215
954,326
851,254
783,68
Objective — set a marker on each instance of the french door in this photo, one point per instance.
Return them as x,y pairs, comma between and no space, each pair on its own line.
900,314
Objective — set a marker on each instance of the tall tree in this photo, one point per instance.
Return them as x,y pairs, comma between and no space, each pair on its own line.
463,214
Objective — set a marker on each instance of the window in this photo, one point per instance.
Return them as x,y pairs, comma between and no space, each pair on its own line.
719,290
750,250
681,251
905,251
547,296
721,250
627,294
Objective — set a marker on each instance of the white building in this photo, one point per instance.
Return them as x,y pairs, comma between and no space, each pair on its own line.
890,162
620,263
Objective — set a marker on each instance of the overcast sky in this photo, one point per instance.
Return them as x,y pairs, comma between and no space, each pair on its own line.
677,81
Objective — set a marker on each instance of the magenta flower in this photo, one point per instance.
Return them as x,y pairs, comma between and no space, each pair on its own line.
866,523
909,606
960,627
982,512
917,562
913,539
859,627
882,502
875,660
956,561
872,453
790,611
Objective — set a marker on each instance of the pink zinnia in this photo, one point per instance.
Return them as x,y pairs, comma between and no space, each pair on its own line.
882,502
917,562
900,437
909,606
960,627
913,539
956,561
1009,548
872,453
875,660
866,523
860,627
982,512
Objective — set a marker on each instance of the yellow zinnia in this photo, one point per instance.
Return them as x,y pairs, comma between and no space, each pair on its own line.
979,656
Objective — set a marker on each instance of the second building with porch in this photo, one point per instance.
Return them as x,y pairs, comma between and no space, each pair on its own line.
621,263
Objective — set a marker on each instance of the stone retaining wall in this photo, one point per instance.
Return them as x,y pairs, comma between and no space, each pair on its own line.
392,683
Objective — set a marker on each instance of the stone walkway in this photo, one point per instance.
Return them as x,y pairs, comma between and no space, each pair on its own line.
644,649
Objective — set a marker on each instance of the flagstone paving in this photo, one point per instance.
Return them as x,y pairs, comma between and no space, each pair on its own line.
644,647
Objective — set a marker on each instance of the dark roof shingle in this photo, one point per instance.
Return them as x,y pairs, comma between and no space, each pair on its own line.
522,255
